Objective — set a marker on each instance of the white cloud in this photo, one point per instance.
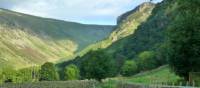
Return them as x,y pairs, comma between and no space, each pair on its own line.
86,11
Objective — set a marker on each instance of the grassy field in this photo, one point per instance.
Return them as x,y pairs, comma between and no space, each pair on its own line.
159,75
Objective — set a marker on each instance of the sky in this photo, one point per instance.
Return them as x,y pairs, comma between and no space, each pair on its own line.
104,12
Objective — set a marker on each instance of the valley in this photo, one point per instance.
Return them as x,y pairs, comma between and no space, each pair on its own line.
154,45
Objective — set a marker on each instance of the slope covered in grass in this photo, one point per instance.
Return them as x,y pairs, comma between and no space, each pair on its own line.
160,75
28,40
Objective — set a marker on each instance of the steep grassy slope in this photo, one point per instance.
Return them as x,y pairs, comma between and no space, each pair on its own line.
28,40
127,25
150,35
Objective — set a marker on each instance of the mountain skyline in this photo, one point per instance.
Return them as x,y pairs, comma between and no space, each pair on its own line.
96,12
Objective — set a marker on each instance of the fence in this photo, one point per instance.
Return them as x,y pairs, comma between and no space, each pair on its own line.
156,85
194,78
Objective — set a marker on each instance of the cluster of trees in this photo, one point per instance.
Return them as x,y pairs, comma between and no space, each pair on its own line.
47,72
19,76
99,64
146,60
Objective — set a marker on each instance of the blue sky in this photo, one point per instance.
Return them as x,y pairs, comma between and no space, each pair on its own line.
83,11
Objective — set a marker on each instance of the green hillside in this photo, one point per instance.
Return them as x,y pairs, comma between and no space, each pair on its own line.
126,25
28,40
148,36
145,43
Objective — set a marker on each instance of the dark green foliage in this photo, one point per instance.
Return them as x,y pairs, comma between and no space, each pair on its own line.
48,72
71,72
161,54
129,68
97,65
184,39
146,60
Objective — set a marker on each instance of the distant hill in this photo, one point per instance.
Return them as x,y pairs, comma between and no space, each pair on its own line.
29,40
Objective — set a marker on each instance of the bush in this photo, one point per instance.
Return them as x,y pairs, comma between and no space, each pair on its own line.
129,68
146,60
98,65
71,72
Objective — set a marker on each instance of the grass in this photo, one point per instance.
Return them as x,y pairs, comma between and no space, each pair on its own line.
162,74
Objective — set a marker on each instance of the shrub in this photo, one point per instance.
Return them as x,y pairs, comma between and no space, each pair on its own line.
98,65
129,68
146,60
71,72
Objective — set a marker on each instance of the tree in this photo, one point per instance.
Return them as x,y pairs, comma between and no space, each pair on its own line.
129,68
48,72
98,65
146,60
72,72
161,54
184,39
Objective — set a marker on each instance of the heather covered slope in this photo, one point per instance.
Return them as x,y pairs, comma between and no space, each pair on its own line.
28,40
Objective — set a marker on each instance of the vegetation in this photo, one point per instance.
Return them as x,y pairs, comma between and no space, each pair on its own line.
72,72
129,68
183,39
127,24
159,75
146,61
98,66
146,45
8,75
48,72
139,36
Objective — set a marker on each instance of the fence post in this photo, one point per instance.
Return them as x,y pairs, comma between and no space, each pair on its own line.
180,84
173,84
187,84
193,83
